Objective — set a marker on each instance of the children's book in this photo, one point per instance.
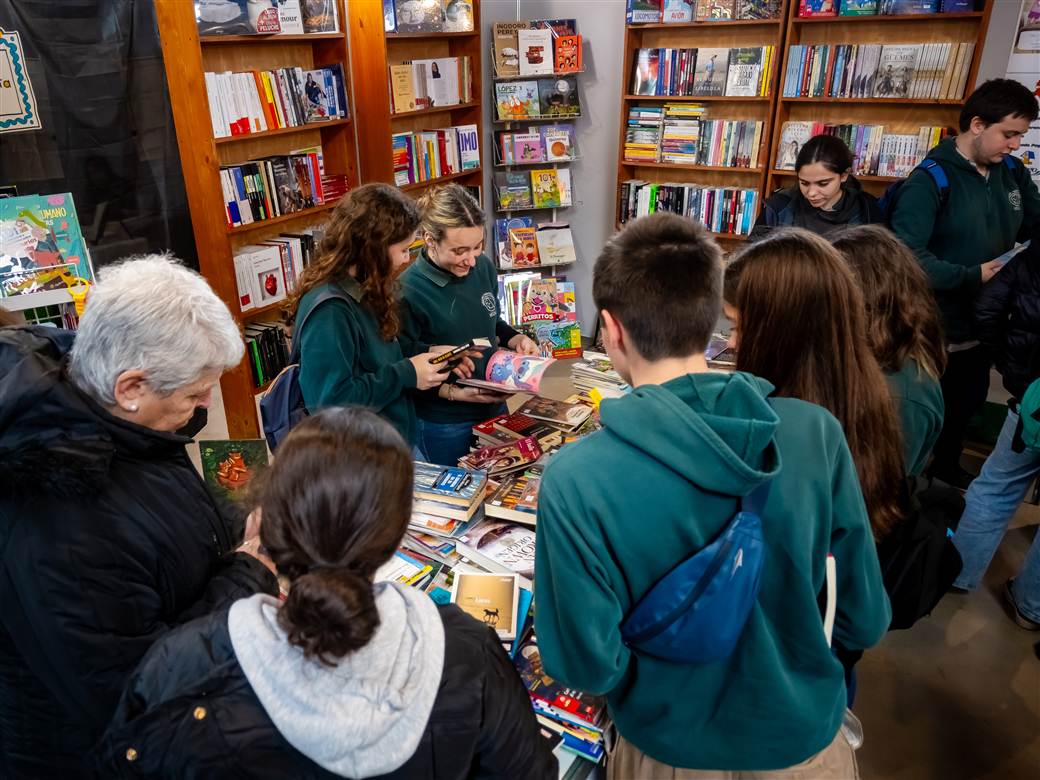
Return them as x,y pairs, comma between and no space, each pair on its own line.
536,52
41,246
502,227
507,54
566,307
895,70
493,599
559,97
709,76
560,340
555,244
237,17
511,372
513,189
458,15
715,10
517,100
540,303
568,54
559,27
527,148
523,247
563,180
677,11
545,188
793,136
643,11
558,142
745,70
229,465
816,8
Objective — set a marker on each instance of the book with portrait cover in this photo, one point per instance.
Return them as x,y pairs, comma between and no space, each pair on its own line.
709,76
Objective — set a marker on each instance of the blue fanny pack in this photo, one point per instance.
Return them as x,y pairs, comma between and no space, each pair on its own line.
697,611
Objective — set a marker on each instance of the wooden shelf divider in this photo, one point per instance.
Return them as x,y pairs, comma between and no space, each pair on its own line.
231,139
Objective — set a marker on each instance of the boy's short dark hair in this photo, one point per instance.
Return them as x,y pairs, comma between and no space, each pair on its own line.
661,277
996,99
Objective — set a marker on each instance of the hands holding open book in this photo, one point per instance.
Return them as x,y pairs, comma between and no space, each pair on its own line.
430,374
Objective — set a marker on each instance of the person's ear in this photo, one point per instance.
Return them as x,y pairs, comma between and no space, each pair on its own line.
613,332
978,125
845,177
130,387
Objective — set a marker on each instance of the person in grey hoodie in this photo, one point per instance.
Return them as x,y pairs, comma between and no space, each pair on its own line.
348,677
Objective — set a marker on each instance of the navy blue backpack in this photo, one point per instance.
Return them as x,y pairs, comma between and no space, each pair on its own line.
942,182
696,612
282,406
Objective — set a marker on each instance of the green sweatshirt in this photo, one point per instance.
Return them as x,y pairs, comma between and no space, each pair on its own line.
982,219
620,508
439,308
345,361
919,402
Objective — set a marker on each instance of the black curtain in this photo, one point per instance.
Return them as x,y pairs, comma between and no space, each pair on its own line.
107,136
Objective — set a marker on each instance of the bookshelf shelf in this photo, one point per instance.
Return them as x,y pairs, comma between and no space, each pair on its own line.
475,33
882,18
500,210
434,110
686,167
791,174
699,98
525,269
553,75
703,25
419,185
231,139
186,58
716,236
874,101
521,120
538,164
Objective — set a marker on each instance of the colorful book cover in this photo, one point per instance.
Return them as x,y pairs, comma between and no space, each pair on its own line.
559,97
517,100
41,246
900,7
560,340
493,599
710,74
448,484
502,227
523,247
229,465
816,8
677,11
511,372
542,687
895,71
565,415
858,8
645,76
320,16
566,302
568,54
316,103
558,142
507,54
545,188
745,68
237,17
469,146
715,10
758,9
458,15
527,148
503,458
558,27
514,190
540,303
643,11
419,16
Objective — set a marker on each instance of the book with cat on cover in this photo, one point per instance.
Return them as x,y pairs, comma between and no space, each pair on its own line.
492,599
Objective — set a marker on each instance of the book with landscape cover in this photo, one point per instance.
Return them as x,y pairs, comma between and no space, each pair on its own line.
500,546
858,8
516,499
559,413
559,97
504,458
229,465
513,190
895,70
493,599
449,485
710,74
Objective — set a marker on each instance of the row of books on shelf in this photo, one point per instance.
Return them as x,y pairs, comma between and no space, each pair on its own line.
521,244
422,84
545,98
267,350
677,11
267,272
539,188
875,152
271,187
536,47
810,8
431,154
266,17
426,16
259,100
548,143
736,72
898,71
656,134
725,210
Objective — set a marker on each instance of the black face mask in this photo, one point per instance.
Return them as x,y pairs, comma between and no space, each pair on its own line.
195,424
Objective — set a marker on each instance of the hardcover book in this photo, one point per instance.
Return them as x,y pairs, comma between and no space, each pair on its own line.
507,53
711,70
517,100
492,599
41,246
895,71
237,17
559,97
523,247
558,142
513,189
229,465
536,52
545,188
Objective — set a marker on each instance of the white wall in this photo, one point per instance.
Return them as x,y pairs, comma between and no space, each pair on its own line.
1003,24
601,24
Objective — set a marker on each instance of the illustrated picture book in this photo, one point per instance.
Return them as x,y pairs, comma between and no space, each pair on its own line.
41,246
511,372
559,97
517,100
229,465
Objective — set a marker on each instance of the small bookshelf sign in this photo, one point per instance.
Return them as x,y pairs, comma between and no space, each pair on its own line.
17,99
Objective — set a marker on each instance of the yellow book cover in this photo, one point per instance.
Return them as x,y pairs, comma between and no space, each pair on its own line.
490,598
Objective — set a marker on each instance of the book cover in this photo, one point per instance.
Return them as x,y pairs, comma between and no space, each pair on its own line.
507,53
319,16
563,180
458,15
502,227
793,136
41,246
816,8
555,244
559,97
469,147
419,16
504,458
895,71
646,74
389,17
758,9
516,499
710,73
677,11
511,372
290,17
590,709
448,484
402,88
745,69
493,599
566,301
316,104
527,148
523,247
858,8
715,10
545,188
568,54
229,465
540,301
506,546
900,7
237,17
560,413
558,142
561,340
558,27
517,100
643,11
536,52
513,189
268,276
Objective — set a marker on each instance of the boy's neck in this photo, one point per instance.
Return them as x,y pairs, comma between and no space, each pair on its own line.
658,372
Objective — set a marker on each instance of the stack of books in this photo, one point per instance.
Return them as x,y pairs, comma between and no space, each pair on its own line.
643,134
267,350
515,499
446,498
431,154
596,373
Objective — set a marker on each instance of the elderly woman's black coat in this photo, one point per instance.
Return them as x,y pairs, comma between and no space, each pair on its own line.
108,538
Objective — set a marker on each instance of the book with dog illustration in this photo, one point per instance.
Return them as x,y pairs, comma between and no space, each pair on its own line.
490,598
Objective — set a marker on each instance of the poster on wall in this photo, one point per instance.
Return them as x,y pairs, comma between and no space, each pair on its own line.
1024,67
17,99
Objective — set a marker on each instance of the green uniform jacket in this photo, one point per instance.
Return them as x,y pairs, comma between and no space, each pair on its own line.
620,508
919,402
439,308
982,219
344,361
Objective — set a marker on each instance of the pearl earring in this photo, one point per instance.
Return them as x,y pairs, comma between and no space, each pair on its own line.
133,407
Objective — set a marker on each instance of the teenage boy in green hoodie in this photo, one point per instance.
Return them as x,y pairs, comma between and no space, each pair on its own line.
620,508
989,204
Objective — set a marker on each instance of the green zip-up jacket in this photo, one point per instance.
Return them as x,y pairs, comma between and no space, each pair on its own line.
345,361
919,402
982,219
439,308
620,508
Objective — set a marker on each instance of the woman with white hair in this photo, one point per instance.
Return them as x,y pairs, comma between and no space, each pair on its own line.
108,537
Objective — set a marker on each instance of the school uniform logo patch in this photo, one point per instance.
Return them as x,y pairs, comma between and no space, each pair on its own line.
1015,199
489,303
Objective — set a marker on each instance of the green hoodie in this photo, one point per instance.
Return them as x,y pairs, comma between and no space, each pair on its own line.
982,219
919,401
620,508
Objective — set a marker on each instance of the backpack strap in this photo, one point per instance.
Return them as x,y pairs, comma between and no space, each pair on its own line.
327,295
755,501
942,181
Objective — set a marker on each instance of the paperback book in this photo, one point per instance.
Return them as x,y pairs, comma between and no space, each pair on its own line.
459,486
237,17
715,10
559,97
507,54
500,546
504,458
793,136
567,416
493,599
523,247
41,246
536,52
517,100
511,372
711,71
515,500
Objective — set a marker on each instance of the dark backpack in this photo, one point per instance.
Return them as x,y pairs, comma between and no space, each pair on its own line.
918,560
942,183
282,406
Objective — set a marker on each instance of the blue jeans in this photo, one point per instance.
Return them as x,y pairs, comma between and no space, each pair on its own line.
990,503
445,443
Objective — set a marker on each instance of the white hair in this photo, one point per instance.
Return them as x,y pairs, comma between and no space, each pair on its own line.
152,314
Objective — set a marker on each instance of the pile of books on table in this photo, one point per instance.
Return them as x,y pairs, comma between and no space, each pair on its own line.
596,372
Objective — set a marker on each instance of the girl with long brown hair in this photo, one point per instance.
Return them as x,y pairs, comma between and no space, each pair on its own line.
904,333
799,322
349,352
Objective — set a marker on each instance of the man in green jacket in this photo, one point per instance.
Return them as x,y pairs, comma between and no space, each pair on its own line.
620,508
958,235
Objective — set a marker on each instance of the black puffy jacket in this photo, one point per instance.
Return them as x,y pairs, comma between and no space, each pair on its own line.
189,712
108,538
1008,315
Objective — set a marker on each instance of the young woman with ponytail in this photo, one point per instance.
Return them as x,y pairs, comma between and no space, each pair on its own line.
348,677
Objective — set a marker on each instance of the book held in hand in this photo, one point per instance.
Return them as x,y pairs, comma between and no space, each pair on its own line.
511,372
228,466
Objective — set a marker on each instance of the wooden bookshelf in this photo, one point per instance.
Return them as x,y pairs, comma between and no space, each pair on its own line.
187,56
730,34
373,51
897,115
